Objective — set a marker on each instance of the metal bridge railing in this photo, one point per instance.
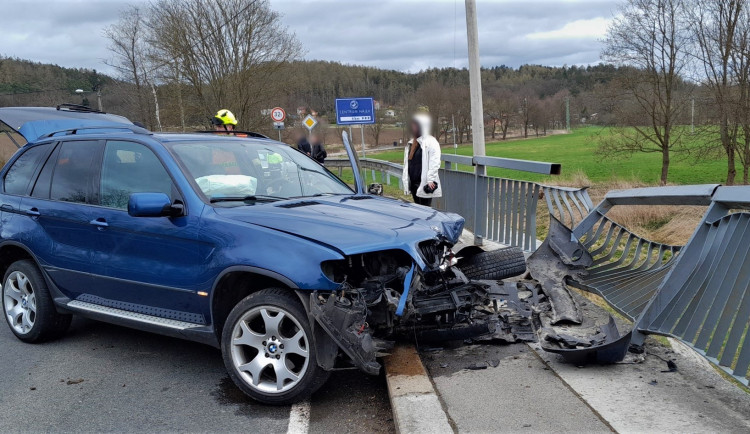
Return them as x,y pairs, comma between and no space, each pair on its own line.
379,170
699,293
569,205
499,209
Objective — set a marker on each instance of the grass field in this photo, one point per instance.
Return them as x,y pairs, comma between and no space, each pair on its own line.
576,153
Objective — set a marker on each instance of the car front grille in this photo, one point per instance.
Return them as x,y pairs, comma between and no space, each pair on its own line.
431,252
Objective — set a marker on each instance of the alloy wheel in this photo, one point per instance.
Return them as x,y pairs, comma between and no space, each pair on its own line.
19,301
270,349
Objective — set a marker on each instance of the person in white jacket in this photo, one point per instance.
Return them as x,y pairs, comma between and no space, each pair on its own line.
422,162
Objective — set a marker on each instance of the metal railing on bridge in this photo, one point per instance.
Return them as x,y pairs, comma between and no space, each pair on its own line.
698,293
498,209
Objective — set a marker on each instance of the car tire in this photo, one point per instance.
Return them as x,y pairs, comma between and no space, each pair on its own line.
271,359
493,265
28,307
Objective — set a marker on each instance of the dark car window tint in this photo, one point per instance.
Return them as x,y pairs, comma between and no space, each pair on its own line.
131,168
18,176
73,171
44,180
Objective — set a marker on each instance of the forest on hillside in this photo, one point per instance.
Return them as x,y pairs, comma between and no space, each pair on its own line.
511,94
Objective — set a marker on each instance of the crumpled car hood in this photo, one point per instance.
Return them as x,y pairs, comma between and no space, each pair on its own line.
353,224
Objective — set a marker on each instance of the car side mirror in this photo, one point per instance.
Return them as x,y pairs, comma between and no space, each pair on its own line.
152,205
375,189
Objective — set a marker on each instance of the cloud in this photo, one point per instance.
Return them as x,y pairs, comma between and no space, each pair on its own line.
595,27
68,33
414,35
407,35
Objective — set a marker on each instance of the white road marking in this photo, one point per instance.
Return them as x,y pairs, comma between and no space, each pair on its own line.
299,418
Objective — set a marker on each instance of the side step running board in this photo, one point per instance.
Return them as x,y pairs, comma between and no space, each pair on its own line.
83,306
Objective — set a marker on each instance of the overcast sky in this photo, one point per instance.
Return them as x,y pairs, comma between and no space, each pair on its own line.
407,35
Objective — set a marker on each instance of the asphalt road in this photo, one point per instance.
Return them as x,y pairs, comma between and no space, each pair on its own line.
104,378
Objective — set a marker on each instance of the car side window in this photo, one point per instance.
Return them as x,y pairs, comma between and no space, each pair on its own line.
44,180
73,171
129,168
19,175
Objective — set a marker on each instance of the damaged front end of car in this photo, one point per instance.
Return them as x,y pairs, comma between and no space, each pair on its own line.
386,296
413,290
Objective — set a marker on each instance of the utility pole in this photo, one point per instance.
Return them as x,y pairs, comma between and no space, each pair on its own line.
455,146
362,129
475,84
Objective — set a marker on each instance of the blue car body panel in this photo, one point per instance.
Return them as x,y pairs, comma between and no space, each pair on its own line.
351,224
170,263
35,122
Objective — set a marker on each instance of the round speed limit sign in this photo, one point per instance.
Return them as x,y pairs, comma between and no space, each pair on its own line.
278,114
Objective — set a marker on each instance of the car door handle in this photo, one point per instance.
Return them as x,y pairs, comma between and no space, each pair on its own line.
6,207
100,223
32,212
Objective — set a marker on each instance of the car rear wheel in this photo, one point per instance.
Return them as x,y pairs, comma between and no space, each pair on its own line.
27,305
268,349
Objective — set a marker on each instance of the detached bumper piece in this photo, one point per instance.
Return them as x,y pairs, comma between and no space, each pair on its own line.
563,329
344,319
606,346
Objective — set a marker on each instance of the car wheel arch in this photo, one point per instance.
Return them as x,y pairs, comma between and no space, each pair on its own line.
11,251
237,282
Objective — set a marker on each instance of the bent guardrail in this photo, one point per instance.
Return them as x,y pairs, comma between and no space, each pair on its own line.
698,293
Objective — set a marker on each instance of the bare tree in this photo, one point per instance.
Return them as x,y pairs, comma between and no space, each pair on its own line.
501,108
741,62
229,52
376,128
529,108
717,28
460,108
652,37
435,96
127,44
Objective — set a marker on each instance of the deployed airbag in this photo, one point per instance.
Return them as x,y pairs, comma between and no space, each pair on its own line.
227,185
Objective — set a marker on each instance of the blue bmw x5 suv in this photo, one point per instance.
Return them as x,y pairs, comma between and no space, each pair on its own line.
241,243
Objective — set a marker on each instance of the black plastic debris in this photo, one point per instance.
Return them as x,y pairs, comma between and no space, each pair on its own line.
611,349
477,366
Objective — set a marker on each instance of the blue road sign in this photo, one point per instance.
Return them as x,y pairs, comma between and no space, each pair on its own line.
355,111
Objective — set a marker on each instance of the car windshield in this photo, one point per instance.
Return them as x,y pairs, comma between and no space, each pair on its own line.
229,171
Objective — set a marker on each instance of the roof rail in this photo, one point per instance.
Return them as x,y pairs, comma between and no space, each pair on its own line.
71,131
235,132
77,108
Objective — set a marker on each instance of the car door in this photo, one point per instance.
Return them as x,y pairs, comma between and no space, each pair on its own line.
57,214
16,184
150,265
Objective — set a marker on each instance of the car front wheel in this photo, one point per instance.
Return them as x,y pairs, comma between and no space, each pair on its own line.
268,350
